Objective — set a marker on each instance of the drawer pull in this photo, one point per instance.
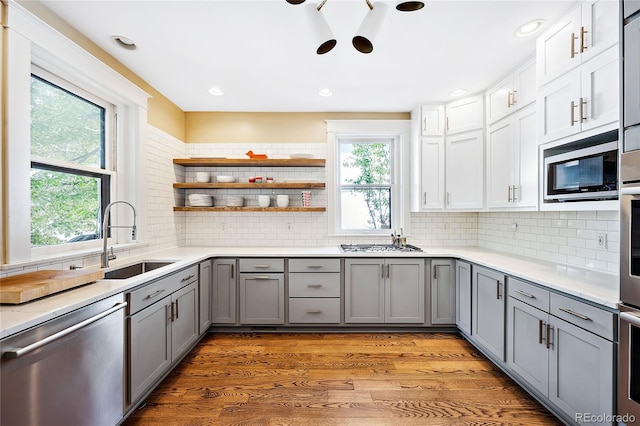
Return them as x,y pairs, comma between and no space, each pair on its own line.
314,285
315,311
314,266
575,314
262,266
524,293
187,278
262,277
154,294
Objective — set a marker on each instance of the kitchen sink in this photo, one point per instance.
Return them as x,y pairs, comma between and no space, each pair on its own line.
378,248
132,270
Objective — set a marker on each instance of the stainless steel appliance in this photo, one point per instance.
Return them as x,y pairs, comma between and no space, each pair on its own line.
629,338
582,174
378,248
68,371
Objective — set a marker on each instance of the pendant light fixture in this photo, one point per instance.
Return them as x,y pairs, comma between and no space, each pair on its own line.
404,6
325,39
363,40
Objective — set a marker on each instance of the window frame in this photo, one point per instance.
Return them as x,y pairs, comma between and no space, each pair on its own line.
105,172
29,41
396,131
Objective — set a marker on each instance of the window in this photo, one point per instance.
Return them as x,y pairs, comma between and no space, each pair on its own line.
366,180
70,180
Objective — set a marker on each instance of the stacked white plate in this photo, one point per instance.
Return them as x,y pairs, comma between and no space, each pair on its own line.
201,200
235,201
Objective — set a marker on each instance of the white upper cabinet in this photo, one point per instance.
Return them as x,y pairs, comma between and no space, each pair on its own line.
464,171
465,115
432,120
513,92
512,167
585,99
432,173
581,35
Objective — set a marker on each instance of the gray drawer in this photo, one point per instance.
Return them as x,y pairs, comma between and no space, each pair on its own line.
314,311
314,265
262,265
529,294
146,295
591,318
314,285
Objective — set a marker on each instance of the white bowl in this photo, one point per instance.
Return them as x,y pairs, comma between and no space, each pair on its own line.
203,176
225,179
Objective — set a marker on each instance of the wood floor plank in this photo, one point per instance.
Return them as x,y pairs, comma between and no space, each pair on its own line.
346,379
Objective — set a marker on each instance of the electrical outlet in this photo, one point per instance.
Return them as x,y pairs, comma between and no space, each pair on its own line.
601,240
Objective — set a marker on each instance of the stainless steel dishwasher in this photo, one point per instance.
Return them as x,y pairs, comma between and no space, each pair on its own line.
68,371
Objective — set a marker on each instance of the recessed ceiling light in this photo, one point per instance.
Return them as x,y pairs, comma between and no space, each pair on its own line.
216,91
325,92
458,92
529,28
124,42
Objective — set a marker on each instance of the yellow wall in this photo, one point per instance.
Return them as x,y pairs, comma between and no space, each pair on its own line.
161,113
257,127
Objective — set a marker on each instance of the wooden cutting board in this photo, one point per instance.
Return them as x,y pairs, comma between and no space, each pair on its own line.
33,285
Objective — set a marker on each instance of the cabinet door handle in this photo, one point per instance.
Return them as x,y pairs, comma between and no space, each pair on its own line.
154,294
424,124
575,314
314,311
524,293
513,98
583,104
447,123
540,325
314,285
435,272
424,197
573,114
509,196
498,283
548,336
177,316
187,278
261,277
583,43
448,198
509,99
172,312
516,197
573,45
233,271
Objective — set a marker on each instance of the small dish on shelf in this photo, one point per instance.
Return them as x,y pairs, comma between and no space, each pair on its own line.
301,155
225,179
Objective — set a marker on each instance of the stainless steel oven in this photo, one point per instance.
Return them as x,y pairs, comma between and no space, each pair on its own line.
629,365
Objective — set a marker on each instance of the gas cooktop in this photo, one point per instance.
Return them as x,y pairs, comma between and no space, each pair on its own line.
377,248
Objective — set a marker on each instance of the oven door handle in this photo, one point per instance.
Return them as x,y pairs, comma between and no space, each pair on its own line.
630,191
630,318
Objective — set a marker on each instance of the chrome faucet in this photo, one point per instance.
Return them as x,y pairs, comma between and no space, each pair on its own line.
105,229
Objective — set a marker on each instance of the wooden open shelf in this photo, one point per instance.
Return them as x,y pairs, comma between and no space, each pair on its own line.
275,185
247,162
249,209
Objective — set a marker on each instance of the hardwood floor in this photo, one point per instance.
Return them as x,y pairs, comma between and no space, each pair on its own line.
338,379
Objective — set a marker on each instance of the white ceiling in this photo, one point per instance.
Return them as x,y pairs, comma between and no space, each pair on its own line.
262,53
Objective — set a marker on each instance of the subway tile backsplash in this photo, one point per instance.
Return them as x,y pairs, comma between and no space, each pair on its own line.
563,237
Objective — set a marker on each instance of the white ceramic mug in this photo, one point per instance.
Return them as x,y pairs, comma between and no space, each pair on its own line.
264,200
283,200
203,176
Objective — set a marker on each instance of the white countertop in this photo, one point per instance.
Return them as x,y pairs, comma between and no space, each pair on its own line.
593,286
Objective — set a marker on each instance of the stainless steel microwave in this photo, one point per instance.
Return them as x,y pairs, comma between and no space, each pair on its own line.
582,174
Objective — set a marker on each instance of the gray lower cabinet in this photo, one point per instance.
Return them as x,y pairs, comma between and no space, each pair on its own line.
463,296
223,292
384,291
488,309
204,293
562,348
314,291
262,291
162,331
443,291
